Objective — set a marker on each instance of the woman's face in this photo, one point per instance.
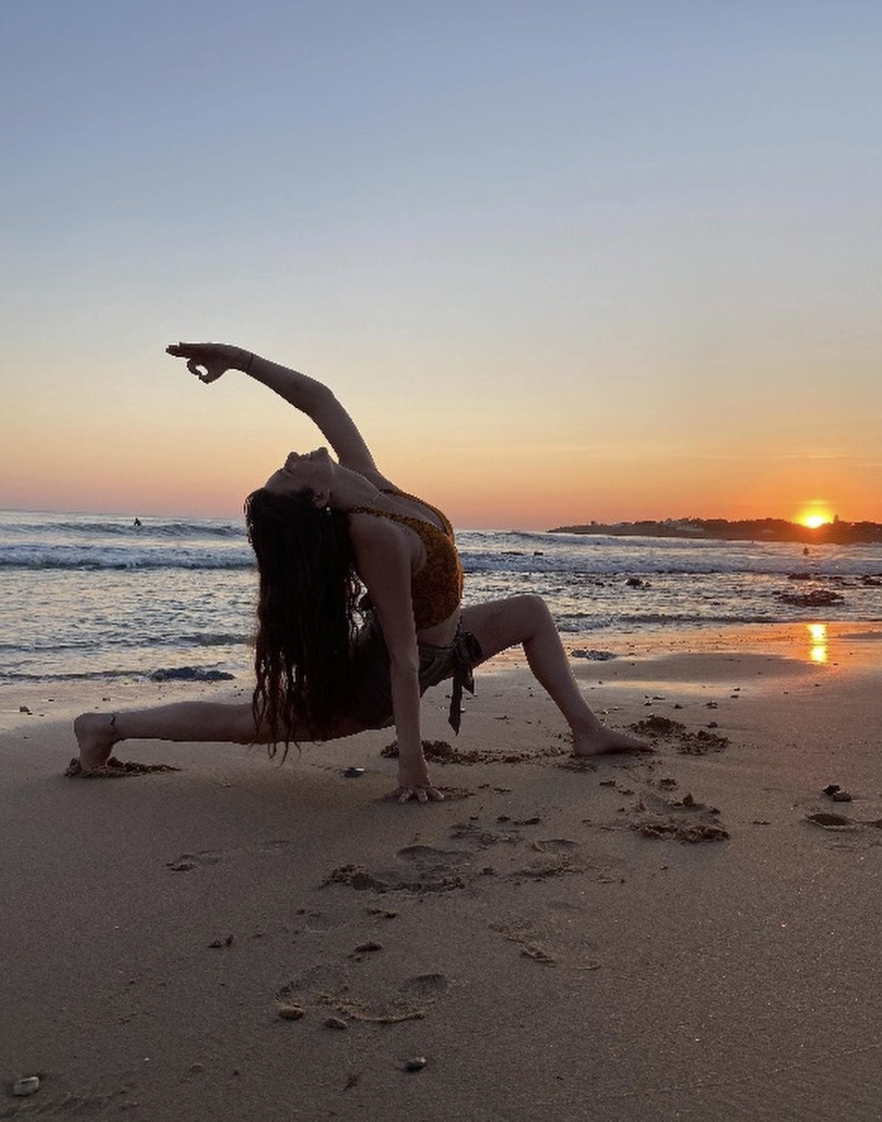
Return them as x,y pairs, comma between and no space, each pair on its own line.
311,469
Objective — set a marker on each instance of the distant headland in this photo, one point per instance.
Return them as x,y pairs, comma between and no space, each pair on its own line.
836,532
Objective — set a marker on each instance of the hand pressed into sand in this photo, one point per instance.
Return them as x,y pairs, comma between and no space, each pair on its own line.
414,782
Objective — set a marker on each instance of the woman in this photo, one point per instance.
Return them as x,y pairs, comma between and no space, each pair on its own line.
321,528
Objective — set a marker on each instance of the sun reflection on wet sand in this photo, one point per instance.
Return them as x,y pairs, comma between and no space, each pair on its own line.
818,651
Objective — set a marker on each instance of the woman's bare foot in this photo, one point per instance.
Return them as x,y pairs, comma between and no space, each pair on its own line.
96,735
602,741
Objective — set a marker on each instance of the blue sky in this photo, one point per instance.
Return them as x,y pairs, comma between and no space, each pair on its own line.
599,259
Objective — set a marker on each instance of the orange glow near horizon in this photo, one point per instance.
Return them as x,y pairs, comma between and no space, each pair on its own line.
113,480
178,463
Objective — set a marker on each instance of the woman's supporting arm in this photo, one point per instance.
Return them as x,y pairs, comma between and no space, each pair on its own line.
384,561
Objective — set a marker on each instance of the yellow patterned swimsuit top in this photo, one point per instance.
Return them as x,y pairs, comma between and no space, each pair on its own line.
436,589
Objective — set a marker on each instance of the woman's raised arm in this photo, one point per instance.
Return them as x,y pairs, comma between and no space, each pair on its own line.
208,361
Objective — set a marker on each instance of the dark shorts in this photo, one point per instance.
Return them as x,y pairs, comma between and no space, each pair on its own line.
371,702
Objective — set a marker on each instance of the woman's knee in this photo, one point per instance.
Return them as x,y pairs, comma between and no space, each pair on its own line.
532,608
499,624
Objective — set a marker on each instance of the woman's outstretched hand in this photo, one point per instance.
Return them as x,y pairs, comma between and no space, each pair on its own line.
208,361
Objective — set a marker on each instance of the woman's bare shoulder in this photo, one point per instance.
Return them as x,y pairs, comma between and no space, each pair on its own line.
386,554
374,536
370,529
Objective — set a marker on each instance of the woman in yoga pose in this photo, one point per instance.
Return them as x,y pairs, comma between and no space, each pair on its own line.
359,607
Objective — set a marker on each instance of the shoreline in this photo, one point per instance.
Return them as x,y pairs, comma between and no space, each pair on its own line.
680,936
835,645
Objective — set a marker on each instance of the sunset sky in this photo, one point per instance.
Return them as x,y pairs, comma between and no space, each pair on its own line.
562,260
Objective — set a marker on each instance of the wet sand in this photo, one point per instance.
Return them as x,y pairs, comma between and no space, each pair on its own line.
689,935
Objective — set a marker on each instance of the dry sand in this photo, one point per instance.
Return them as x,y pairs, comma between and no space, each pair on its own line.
691,935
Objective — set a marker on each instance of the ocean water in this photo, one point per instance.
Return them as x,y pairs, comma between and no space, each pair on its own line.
85,596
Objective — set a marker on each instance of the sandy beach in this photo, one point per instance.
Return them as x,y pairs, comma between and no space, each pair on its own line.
689,935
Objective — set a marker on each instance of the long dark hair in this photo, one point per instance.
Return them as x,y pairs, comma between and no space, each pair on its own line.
306,614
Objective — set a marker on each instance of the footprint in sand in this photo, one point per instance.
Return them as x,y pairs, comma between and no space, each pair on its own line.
559,938
557,858
685,820
330,986
424,869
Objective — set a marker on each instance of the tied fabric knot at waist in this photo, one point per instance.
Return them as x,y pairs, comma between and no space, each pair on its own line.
371,700
436,664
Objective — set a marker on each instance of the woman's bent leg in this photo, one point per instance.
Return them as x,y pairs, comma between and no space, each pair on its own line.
526,620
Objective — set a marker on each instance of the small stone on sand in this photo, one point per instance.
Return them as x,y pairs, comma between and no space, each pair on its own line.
291,1012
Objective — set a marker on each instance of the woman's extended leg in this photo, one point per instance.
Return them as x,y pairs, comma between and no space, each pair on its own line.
189,721
526,620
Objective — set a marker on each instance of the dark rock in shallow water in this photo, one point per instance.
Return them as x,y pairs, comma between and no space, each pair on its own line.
190,674
820,598
594,656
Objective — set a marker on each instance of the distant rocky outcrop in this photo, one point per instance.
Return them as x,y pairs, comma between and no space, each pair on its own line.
836,532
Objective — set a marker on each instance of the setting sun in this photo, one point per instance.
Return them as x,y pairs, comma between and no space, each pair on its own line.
814,518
